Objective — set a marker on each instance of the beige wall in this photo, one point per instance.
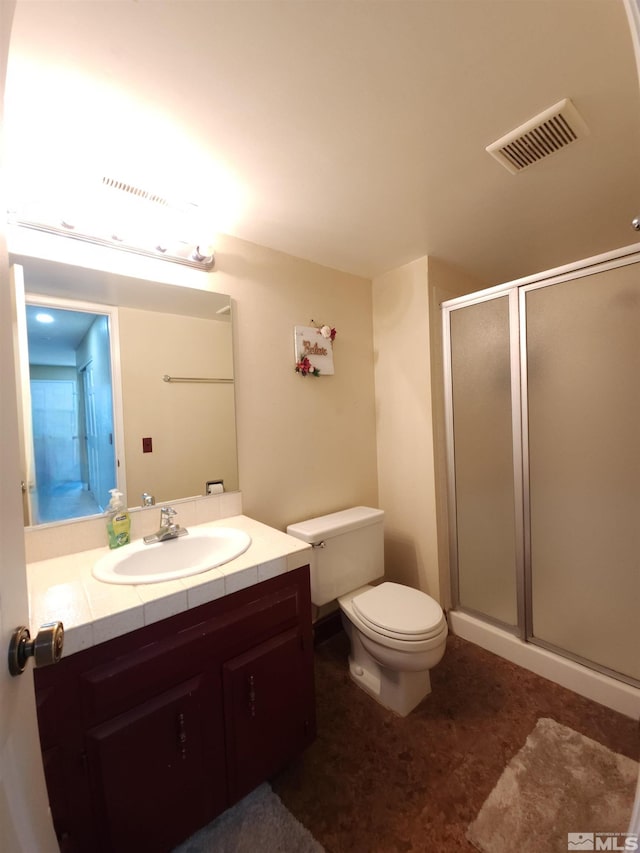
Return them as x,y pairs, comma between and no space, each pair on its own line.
403,416
306,445
406,321
445,282
192,425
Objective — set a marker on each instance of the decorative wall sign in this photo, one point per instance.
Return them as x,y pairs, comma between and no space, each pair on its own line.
314,350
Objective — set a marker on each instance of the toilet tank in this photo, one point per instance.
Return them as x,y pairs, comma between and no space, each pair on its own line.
349,550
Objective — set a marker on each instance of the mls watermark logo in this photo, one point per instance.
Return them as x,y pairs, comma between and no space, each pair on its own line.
618,841
580,841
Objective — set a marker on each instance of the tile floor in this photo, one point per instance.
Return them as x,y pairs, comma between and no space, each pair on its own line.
59,501
376,783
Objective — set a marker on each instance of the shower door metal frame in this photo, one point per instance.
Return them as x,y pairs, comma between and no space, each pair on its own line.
596,265
517,291
511,293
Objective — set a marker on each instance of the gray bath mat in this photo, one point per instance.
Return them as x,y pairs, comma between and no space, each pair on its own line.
559,793
259,822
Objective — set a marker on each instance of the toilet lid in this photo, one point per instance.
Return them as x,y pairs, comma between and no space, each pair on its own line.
399,611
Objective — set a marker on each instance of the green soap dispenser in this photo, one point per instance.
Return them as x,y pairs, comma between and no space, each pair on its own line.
119,523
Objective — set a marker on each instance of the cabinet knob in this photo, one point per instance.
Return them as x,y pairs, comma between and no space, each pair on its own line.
252,696
182,736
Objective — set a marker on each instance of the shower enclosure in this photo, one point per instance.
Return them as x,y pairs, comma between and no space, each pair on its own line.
542,381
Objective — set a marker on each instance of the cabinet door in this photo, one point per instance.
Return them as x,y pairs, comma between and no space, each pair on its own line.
153,770
269,709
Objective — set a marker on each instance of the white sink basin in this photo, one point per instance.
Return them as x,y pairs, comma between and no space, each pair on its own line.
198,551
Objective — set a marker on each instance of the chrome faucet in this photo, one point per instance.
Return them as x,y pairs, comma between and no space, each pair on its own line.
168,528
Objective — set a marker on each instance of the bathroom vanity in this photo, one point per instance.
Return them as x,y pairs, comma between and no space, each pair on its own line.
149,735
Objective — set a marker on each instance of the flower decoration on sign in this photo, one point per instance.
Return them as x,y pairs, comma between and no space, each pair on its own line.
314,356
326,331
305,367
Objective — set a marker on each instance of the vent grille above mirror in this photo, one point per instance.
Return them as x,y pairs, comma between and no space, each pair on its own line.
538,138
116,184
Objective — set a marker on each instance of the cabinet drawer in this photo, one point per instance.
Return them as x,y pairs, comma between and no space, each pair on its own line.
137,675
141,672
259,618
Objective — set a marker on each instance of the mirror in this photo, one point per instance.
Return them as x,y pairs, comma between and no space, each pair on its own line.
68,396
172,355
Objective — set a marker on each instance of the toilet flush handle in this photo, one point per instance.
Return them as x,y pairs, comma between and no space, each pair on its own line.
320,544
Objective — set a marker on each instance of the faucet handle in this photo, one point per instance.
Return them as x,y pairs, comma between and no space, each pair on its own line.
148,499
166,514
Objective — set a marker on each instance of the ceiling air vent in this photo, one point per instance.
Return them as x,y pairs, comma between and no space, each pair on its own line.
539,137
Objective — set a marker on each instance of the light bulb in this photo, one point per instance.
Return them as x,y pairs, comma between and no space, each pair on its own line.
203,252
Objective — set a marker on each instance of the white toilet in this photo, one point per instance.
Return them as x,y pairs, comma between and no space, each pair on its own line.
397,633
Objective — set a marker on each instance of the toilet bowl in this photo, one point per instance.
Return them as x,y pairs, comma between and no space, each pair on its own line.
397,634
391,654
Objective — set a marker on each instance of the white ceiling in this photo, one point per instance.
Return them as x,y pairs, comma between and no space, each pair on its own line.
348,133
56,343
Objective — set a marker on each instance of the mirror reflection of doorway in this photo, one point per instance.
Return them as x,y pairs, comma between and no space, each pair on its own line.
72,411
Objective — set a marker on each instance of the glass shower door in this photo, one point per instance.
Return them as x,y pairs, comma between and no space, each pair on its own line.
486,536
583,421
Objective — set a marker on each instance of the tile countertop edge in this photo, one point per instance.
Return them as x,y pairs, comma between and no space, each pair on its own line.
63,588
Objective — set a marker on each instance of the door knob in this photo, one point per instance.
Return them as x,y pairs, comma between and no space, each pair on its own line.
45,648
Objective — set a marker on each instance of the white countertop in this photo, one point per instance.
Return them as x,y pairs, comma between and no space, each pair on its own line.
64,589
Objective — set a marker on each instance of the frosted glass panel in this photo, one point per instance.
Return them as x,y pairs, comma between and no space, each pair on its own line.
483,445
583,345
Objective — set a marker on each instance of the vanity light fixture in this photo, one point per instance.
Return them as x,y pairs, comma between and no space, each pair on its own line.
178,251
121,215
203,253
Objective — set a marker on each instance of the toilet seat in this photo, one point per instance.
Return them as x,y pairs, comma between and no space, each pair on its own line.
399,612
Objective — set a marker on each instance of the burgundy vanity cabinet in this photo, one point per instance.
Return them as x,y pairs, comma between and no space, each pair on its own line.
150,762
266,716
149,736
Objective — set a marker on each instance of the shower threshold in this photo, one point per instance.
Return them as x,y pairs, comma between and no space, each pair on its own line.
608,691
